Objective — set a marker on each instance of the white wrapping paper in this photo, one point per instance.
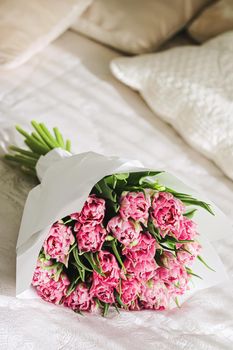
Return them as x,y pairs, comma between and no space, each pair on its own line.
66,181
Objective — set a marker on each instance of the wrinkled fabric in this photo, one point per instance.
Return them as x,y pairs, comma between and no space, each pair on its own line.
66,87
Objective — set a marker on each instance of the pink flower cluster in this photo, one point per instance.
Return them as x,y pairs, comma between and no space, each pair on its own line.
58,243
90,232
103,285
80,299
166,213
123,261
135,205
50,286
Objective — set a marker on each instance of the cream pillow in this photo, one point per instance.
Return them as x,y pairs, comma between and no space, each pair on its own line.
214,20
27,26
136,26
192,89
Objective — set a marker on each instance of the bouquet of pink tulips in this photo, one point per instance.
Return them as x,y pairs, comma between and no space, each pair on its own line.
130,245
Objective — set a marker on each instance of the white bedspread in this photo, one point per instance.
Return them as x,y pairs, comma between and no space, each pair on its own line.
70,85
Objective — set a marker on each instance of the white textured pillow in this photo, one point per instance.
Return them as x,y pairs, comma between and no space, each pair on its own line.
192,89
27,26
136,26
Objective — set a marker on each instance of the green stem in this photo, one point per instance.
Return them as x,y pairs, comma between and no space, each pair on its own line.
118,298
37,138
68,145
78,261
21,131
106,308
91,261
59,137
23,151
36,146
49,135
190,272
114,248
21,160
177,302
204,263
40,142
43,135
28,171
27,160
80,270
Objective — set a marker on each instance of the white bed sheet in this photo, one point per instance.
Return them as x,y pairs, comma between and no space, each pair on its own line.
70,85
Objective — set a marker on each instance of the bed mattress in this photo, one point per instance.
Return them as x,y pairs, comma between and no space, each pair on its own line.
70,85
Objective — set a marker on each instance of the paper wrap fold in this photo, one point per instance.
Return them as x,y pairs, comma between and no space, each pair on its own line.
66,181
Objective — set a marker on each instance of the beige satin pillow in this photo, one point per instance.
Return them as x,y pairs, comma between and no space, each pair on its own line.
27,26
214,20
136,26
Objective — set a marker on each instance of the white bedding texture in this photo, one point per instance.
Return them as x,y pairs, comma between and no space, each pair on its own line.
27,27
70,85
